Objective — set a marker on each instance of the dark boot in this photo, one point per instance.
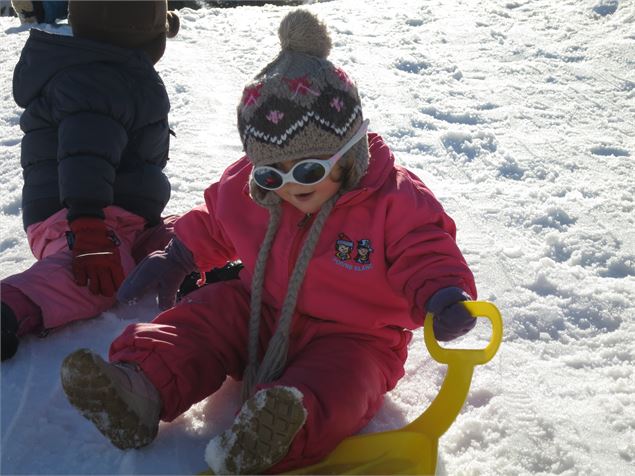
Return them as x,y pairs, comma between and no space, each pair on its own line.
10,339
20,316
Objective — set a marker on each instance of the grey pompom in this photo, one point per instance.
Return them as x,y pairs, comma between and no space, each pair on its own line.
301,31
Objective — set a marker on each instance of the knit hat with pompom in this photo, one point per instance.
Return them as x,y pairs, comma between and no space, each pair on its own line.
299,106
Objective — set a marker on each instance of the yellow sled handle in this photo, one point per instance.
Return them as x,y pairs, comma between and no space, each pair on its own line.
467,356
444,409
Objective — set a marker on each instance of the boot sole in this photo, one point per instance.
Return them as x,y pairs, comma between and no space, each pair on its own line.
90,390
262,436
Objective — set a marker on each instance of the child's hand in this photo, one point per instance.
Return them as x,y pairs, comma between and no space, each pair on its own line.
451,319
96,260
161,272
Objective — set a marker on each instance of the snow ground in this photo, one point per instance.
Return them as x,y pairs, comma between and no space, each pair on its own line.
520,115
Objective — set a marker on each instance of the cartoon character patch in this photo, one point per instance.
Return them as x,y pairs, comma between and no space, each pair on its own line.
363,251
343,247
344,250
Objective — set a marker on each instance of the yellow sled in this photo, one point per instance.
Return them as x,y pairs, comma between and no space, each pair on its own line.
413,448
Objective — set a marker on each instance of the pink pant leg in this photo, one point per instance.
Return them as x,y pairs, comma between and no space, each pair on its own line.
188,351
343,379
49,283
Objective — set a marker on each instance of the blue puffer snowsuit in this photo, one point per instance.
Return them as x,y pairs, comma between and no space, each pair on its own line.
96,129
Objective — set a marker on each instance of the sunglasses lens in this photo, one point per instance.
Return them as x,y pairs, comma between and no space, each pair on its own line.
309,172
267,178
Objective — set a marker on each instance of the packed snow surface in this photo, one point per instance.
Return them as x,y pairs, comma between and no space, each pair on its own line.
519,115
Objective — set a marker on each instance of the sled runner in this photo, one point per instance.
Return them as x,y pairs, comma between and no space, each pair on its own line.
413,448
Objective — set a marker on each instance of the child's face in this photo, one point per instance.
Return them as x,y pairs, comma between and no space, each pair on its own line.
309,198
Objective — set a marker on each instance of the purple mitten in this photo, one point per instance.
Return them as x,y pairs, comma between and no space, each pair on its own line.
451,319
161,272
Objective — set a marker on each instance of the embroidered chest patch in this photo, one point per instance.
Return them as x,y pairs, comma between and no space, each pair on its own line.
351,254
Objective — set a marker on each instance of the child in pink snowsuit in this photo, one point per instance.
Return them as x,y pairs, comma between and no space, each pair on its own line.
93,154
344,252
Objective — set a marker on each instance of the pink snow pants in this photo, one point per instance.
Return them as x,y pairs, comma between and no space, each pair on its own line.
343,373
49,283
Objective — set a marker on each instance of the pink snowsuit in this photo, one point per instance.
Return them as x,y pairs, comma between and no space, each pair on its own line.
385,249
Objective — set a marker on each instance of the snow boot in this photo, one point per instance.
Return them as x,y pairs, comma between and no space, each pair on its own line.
261,433
10,339
117,397
20,316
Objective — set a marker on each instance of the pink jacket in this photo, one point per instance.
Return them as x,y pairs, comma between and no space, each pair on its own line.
385,249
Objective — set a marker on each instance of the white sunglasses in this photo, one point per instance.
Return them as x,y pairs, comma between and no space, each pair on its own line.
307,171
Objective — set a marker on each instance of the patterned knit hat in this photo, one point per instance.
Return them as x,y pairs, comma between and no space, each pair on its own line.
128,24
298,106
